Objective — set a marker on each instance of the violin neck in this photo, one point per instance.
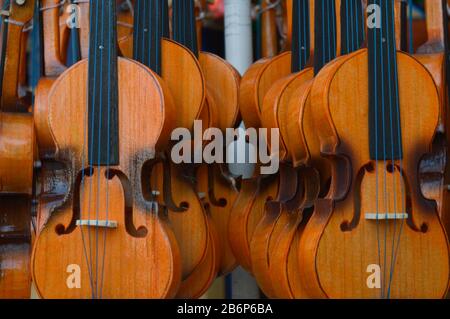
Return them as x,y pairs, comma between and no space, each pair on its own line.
437,23
12,49
352,26
74,47
50,20
184,24
151,23
301,35
384,116
325,35
269,45
103,103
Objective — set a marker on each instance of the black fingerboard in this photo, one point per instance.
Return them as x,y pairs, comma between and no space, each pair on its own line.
384,114
103,137
352,26
184,24
151,24
300,35
325,33
37,47
4,42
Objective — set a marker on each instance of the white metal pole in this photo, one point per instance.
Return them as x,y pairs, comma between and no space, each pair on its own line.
238,34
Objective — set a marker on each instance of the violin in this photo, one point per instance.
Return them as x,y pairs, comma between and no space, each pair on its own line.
168,182
432,55
65,42
248,206
107,232
53,67
272,222
17,156
375,204
185,30
222,86
351,26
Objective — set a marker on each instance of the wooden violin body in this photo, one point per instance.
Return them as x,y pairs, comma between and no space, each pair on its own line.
341,271
222,85
15,247
248,208
17,156
256,82
17,153
155,258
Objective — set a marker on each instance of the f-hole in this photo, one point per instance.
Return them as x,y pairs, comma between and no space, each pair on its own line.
147,187
408,205
219,202
346,225
141,231
167,189
60,229
131,229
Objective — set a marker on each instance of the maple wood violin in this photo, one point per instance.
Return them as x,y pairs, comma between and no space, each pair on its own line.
107,229
375,141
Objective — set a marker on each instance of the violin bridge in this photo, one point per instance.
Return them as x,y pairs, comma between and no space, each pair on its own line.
97,223
386,216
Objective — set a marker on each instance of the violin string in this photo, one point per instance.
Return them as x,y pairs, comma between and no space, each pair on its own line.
377,175
297,14
333,27
383,108
390,46
328,9
158,35
99,132
150,33
327,23
142,30
306,23
92,48
347,26
112,25
136,24
410,26
352,27
402,185
358,17
375,96
322,49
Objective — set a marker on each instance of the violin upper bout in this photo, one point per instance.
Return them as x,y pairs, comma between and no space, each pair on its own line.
68,108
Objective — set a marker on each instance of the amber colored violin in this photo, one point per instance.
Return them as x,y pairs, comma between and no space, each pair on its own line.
107,230
345,18
53,67
432,55
248,207
185,30
272,223
17,156
375,130
168,183
220,189
65,40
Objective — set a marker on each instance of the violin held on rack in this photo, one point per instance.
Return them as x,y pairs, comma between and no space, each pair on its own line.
106,228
